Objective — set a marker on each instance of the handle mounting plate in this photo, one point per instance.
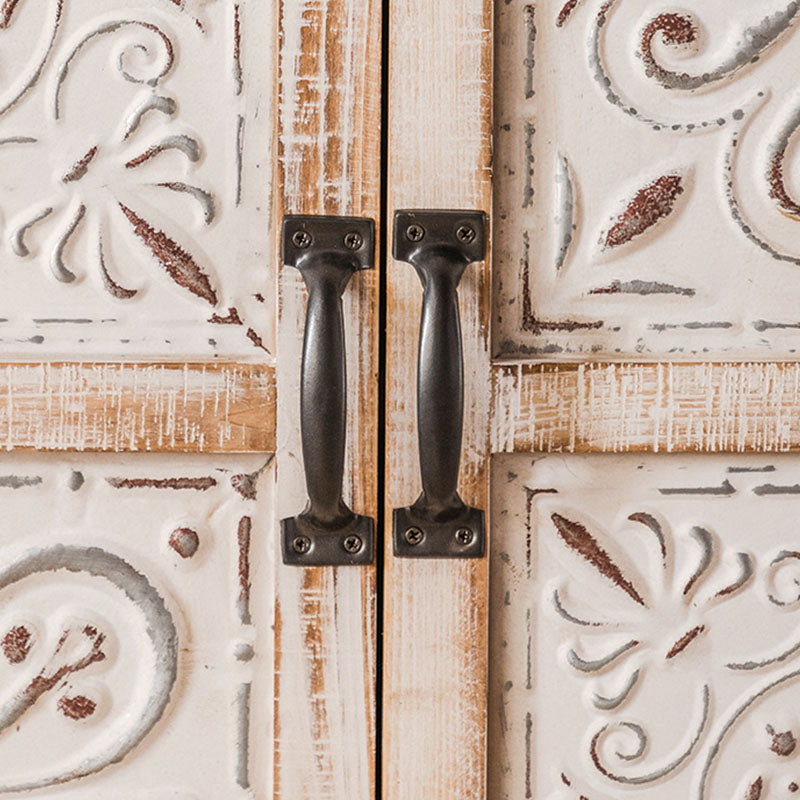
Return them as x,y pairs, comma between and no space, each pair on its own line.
305,544
463,536
416,230
307,235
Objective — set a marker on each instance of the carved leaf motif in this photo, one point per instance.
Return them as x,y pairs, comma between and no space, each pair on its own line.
175,260
649,205
580,540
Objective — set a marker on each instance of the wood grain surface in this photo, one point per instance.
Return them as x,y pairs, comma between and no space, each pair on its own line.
661,408
328,163
434,712
130,407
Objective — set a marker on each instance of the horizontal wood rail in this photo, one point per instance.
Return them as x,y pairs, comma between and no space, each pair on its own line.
659,408
133,407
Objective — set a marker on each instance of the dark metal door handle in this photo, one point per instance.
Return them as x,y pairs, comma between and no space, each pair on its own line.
439,245
327,251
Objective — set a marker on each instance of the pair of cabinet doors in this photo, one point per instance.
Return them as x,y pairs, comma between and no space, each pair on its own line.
628,628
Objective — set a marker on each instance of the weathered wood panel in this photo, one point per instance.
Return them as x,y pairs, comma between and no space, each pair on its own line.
328,163
640,407
128,407
435,612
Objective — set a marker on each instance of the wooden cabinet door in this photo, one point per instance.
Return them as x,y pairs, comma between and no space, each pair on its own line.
630,385
152,642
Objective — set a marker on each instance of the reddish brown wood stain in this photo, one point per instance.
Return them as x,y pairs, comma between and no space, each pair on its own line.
754,790
563,15
44,683
674,28
232,318
649,205
237,49
199,484
243,537
184,541
80,167
79,707
580,540
256,339
6,10
777,185
16,644
685,641
176,261
534,325
783,744
245,484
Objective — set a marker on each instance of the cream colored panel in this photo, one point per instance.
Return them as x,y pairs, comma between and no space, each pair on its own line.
645,628
135,165
135,627
646,195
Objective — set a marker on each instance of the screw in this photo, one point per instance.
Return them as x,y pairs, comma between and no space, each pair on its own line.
353,544
413,536
353,240
415,232
465,233
301,544
301,239
464,536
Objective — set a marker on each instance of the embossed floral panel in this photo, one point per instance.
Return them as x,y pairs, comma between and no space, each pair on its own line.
647,197
646,628
135,627
135,169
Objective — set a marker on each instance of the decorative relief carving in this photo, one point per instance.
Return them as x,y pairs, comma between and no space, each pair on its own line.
650,627
113,650
118,181
672,131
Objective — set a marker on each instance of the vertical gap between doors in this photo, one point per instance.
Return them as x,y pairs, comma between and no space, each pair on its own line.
382,537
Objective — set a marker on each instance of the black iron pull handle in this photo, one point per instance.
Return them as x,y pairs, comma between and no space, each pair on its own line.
439,245
327,251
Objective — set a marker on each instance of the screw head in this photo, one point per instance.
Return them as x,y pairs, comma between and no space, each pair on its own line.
465,233
353,240
353,543
415,232
301,544
413,536
464,536
301,239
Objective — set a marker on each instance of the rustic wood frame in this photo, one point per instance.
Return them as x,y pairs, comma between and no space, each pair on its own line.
328,162
436,617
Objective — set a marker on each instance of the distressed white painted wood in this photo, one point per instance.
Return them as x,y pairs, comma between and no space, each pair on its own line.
665,407
434,701
135,155
328,163
644,627
136,626
645,196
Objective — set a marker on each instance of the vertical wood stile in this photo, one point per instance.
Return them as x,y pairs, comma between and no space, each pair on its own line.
434,710
328,163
